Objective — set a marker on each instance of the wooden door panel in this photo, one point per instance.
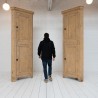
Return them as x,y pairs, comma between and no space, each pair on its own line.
72,42
24,44
71,59
71,28
24,63
24,28
65,27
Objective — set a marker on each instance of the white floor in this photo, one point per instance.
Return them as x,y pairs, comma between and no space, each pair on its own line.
59,88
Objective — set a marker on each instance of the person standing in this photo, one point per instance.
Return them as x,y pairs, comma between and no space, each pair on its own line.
46,51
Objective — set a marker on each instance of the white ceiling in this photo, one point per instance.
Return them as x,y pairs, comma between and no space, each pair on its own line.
43,4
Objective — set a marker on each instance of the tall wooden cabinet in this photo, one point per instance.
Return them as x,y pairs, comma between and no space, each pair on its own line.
73,43
22,43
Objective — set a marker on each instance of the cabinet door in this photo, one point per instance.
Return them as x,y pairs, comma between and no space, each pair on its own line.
72,45
24,44
70,61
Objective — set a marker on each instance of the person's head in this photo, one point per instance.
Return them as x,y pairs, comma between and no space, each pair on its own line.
46,35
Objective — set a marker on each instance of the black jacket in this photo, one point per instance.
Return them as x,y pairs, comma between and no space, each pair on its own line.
46,49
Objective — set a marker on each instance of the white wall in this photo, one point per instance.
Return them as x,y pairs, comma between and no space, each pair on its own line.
90,39
51,22
5,41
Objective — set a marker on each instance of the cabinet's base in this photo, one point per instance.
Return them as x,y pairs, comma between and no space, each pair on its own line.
13,79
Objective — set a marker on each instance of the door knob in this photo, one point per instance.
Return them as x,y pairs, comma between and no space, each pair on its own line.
16,26
16,59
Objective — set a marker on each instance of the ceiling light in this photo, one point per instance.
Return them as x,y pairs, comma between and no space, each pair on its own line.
6,6
89,1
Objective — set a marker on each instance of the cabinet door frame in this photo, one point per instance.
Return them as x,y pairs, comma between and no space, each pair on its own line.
14,28
78,42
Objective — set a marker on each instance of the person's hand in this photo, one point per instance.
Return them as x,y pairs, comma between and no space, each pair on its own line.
40,56
53,59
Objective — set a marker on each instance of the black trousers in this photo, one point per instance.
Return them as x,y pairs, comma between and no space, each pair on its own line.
45,63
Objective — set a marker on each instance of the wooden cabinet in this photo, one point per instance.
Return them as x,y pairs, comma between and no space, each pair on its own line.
22,43
73,43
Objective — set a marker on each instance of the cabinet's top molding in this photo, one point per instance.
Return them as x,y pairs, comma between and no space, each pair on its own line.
75,8
20,9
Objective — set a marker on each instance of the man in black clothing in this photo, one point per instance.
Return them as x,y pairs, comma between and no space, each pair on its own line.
46,51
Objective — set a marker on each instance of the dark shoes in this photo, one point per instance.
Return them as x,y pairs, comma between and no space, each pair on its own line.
46,80
50,78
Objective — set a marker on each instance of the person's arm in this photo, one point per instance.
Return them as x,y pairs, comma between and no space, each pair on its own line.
39,50
53,51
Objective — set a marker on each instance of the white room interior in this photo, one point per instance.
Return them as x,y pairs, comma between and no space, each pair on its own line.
51,22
